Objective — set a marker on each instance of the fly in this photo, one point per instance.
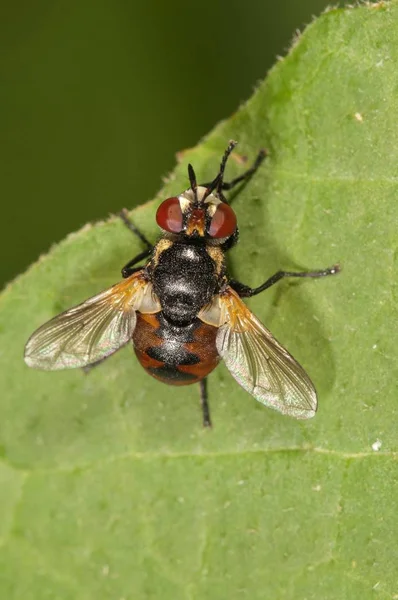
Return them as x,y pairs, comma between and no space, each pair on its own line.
181,310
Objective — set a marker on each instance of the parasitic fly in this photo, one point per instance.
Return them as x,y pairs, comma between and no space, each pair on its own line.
181,311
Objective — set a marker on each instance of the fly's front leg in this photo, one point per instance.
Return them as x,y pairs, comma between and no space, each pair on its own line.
204,403
130,268
228,185
245,291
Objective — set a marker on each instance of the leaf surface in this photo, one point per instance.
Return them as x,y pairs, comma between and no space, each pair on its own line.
110,487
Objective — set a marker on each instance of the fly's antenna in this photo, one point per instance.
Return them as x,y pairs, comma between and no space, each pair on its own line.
192,181
217,182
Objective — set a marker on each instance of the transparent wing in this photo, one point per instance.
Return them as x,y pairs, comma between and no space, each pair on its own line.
260,364
90,331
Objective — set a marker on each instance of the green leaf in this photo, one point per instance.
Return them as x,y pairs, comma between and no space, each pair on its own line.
111,488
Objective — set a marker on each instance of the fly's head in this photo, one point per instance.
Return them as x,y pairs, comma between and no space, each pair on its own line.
201,212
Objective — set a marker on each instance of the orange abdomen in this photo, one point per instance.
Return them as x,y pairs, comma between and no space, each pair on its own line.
175,355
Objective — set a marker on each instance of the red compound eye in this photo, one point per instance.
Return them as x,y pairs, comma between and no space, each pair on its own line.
169,215
223,222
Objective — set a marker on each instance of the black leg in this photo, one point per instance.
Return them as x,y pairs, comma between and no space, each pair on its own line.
88,368
130,225
204,403
245,291
129,268
228,185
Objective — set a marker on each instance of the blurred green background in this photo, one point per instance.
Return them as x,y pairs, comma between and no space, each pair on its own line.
97,97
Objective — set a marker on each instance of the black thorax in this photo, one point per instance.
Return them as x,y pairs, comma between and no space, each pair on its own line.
184,279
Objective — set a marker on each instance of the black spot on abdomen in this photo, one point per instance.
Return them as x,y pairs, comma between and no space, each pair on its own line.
171,374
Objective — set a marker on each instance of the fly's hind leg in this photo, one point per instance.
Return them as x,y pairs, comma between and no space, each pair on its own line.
204,403
130,267
88,368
